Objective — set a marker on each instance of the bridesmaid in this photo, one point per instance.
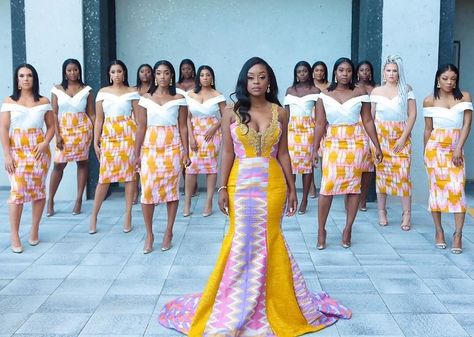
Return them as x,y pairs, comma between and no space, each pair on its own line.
114,140
205,106
74,115
299,102
162,135
394,108
448,116
186,81
320,75
365,79
343,106
144,78
26,150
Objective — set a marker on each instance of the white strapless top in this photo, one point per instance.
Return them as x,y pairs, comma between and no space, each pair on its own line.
181,92
301,106
208,108
345,113
115,106
162,115
390,110
448,118
23,118
74,104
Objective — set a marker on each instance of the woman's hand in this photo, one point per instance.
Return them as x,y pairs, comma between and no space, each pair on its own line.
292,203
457,157
40,149
378,155
193,144
186,161
210,133
223,200
315,159
399,145
137,163
97,150
59,142
9,164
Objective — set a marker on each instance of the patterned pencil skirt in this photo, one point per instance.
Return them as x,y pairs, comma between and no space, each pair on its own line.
76,131
204,160
300,143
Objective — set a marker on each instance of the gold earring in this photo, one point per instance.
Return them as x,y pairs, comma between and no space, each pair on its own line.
335,80
438,85
268,89
171,82
156,83
212,82
19,87
79,77
111,80
454,86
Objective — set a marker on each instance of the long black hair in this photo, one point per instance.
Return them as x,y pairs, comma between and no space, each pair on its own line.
443,68
321,63
309,82
183,62
371,67
17,92
197,80
139,82
124,68
242,106
64,82
172,87
341,60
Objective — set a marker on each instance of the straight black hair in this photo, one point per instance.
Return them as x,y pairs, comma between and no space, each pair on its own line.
242,106
172,87
139,82
340,61
183,62
124,68
321,63
360,64
197,80
17,92
64,82
443,68
309,82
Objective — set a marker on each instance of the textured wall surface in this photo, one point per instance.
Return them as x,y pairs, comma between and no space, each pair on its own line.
225,34
415,39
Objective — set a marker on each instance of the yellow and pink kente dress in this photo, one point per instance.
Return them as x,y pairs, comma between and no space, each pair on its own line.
161,152
301,132
256,288
343,148
204,116
75,127
393,172
446,180
117,141
26,131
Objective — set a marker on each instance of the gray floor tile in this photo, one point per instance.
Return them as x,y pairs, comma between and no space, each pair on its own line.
433,325
182,287
458,304
117,324
414,303
70,303
60,259
30,287
369,325
190,272
95,272
47,272
338,259
136,287
467,322
9,323
392,271
10,271
105,259
341,272
131,272
20,304
84,286
400,286
133,304
54,323
437,272
451,285
362,303
355,286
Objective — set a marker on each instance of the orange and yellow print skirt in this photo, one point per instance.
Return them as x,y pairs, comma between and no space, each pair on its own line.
76,131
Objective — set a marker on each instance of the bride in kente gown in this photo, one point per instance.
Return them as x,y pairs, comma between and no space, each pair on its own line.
256,288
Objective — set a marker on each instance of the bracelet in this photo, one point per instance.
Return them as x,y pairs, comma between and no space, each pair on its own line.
223,187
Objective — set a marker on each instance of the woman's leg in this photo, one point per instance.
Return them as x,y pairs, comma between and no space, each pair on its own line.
211,180
189,184
148,210
130,187
82,173
172,209
324,205
100,193
56,177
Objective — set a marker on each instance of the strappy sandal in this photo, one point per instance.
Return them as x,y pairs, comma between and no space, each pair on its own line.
406,224
456,250
383,217
441,245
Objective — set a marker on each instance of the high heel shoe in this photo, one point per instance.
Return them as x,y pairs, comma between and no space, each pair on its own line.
457,250
33,242
149,249
383,217
321,243
127,230
17,249
168,247
406,223
441,245
345,244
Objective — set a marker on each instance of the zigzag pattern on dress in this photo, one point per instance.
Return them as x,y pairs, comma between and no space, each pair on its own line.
239,307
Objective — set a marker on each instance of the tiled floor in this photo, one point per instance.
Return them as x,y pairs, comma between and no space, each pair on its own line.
74,284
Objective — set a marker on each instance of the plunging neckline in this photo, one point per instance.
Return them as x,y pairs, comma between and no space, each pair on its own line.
268,127
342,104
73,96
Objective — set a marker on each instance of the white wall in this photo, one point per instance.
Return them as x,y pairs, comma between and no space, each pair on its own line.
464,32
224,34
53,30
411,29
5,67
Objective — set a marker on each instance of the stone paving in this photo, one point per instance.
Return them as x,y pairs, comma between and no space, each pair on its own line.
75,284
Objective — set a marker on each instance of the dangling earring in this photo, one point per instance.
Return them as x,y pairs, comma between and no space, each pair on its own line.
171,82
268,89
19,87
454,86
384,79
78,77
370,78
212,82
111,81
358,79
438,85
297,80
335,80
156,83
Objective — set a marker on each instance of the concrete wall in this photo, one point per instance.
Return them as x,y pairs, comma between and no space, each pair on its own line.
5,67
63,20
411,29
464,32
225,34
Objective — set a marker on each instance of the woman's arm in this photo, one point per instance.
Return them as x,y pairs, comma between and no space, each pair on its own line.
408,126
183,133
466,128
227,159
139,113
5,138
57,134
99,122
90,111
285,162
320,128
369,127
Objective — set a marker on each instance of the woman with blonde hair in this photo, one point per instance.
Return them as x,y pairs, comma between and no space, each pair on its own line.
394,110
